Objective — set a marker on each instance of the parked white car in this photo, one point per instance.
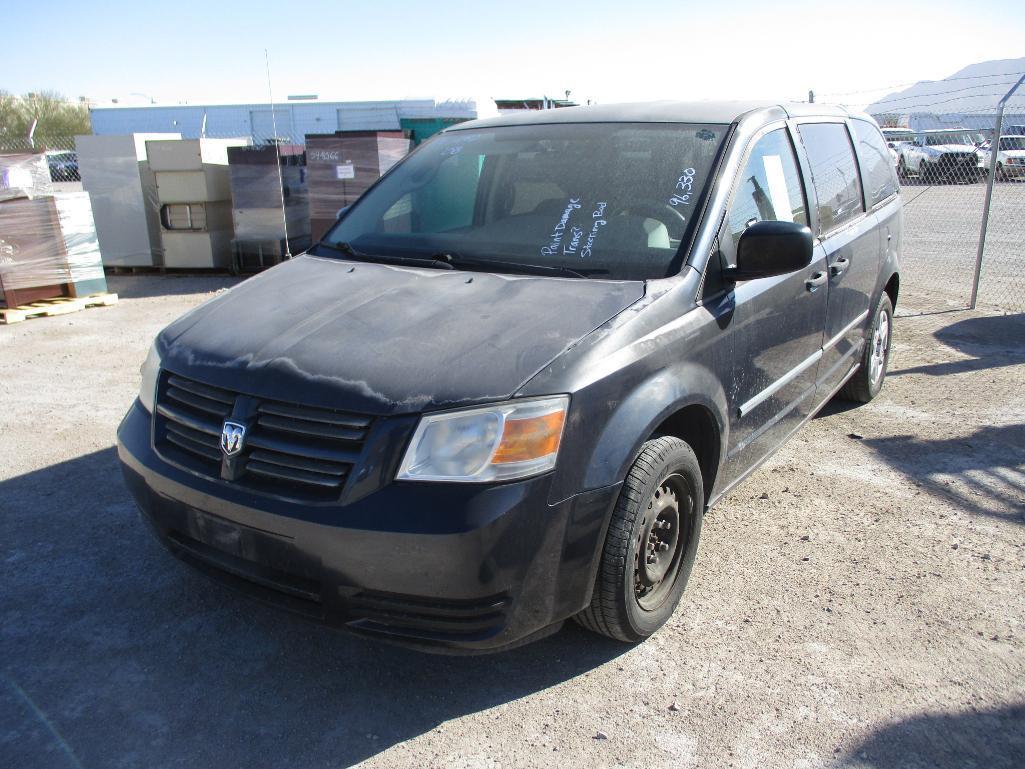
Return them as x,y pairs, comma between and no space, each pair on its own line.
1010,158
937,155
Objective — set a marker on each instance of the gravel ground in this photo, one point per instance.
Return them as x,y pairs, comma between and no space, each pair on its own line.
857,602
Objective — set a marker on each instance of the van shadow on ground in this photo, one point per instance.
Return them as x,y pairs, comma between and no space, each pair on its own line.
983,472
989,341
114,654
977,739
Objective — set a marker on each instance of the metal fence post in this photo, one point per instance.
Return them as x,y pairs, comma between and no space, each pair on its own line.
994,152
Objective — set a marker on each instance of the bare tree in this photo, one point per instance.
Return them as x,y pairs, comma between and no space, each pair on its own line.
55,116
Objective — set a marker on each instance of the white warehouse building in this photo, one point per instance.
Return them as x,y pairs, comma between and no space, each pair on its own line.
289,121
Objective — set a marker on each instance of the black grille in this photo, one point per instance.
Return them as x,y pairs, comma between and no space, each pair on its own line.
958,159
290,450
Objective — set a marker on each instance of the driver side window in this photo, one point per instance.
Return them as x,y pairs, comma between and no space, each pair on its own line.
770,186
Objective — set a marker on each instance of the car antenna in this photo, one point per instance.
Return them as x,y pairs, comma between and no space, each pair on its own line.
277,154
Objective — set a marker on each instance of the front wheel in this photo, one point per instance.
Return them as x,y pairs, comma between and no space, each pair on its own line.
875,358
651,544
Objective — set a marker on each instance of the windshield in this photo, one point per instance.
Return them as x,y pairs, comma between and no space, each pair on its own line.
957,137
612,200
1012,142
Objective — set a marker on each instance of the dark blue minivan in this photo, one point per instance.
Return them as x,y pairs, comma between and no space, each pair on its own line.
506,386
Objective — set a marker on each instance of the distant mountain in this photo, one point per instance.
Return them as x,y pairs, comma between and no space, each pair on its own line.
976,88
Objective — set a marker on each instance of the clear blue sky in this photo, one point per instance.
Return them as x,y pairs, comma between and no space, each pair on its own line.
604,50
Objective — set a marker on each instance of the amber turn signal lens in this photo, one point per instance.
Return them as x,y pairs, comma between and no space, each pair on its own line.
531,438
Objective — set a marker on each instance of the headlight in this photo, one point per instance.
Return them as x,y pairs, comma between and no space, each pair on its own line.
150,370
502,442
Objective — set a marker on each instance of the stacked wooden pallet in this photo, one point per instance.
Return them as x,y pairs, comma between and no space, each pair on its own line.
50,307
48,243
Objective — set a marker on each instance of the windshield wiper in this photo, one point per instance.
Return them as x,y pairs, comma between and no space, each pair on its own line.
450,260
348,249
458,260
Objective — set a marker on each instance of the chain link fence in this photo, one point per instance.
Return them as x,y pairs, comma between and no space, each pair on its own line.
954,255
48,144
942,160
1002,274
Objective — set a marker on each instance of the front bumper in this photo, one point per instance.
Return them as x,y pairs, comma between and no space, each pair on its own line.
441,566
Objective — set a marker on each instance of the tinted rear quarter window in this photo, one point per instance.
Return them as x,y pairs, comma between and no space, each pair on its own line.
834,173
876,164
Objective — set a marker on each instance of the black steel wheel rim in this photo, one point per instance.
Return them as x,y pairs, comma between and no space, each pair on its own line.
661,542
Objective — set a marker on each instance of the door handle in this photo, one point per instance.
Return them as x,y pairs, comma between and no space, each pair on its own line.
816,280
839,267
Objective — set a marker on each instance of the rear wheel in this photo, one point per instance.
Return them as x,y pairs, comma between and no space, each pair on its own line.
902,169
868,380
651,543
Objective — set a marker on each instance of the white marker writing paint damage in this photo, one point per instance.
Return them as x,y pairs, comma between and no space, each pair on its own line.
599,222
573,243
555,239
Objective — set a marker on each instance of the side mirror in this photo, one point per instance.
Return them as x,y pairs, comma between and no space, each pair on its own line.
341,212
772,248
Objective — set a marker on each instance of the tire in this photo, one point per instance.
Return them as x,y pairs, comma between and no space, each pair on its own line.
925,174
902,169
661,505
868,379
1001,174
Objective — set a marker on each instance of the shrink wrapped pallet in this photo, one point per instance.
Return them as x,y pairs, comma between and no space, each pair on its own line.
343,165
81,245
194,194
24,175
270,204
123,193
265,197
33,259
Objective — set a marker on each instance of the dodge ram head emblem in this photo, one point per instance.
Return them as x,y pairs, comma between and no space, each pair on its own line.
233,435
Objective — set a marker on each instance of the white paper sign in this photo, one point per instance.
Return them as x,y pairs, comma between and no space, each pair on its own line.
345,171
778,193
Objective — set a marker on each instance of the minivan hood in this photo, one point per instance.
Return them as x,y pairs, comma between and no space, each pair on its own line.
381,339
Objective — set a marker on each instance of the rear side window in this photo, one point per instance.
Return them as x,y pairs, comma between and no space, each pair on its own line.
834,173
876,164
770,186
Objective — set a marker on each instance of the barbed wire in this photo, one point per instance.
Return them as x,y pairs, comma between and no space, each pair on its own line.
944,93
920,82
